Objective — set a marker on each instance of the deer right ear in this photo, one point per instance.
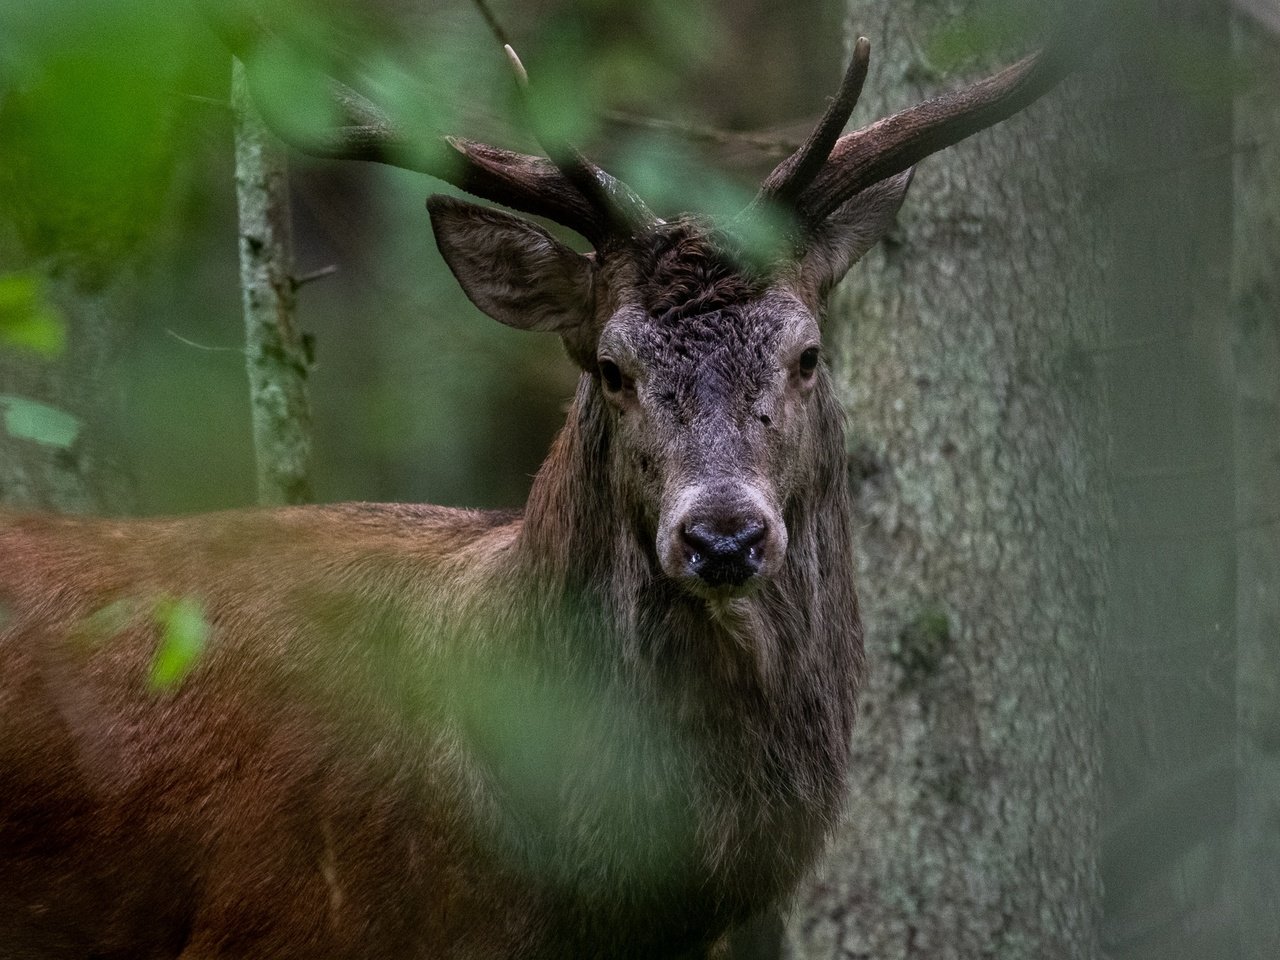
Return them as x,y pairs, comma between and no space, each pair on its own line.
512,269
850,231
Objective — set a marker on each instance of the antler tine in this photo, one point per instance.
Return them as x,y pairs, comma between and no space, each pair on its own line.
622,211
793,174
365,132
892,145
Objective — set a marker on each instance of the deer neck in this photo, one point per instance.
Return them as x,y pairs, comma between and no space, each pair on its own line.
747,700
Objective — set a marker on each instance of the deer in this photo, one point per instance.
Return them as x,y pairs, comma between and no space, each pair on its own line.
613,724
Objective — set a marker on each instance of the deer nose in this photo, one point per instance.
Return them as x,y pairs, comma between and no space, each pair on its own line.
726,552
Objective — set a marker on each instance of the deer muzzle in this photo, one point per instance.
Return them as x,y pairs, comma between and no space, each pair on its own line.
721,539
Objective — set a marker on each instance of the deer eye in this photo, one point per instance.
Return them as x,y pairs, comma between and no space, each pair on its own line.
807,364
615,381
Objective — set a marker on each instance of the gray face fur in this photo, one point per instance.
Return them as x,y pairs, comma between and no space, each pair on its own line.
711,373
712,422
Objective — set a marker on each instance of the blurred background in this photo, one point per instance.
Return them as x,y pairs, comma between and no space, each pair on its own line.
1076,328
117,122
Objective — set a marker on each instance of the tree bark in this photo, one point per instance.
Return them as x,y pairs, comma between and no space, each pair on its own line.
1256,303
965,346
276,354
1170,662
70,462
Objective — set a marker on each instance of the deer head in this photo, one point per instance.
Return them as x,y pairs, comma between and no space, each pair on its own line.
706,359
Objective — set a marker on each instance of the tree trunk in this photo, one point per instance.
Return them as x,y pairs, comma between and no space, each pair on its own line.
1170,661
60,414
1256,299
276,354
965,346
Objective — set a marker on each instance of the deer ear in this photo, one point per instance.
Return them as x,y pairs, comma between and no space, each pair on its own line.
512,269
853,229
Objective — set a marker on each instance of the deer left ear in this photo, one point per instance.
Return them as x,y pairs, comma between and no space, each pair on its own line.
512,269
852,229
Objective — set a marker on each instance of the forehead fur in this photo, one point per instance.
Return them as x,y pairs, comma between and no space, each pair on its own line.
684,272
708,327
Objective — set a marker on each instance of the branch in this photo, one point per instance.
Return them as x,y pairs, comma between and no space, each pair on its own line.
767,144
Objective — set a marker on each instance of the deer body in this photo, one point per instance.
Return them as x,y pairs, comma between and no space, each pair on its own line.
347,770
609,726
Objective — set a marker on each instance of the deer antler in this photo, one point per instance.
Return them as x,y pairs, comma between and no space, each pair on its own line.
567,189
796,172
624,212
855,161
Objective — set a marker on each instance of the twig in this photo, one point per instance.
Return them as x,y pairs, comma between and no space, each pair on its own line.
203,346
207,101
300,282
1112,180
696,132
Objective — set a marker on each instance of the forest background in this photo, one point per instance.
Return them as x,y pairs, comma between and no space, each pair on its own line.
1062,372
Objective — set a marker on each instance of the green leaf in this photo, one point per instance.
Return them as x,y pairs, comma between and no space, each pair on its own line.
676,180
184,631
27,320
92,122
30,420
291,92
421,103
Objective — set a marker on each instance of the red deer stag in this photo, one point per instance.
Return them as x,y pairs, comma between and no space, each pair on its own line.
611,725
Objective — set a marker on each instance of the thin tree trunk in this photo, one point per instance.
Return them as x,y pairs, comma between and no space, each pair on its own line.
1256,299
276,354
966,348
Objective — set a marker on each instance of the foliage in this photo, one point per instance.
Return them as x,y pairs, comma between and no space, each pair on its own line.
27,319
32,420
115,147
181,629
87,132
184,632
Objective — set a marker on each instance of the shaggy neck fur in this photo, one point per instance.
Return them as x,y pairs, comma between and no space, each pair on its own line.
705,745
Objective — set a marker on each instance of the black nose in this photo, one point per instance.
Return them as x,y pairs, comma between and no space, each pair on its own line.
726,552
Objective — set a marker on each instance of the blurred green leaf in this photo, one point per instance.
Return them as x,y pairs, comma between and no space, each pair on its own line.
676,181
292,92
184,632
105,623
422,101
638,54
561,92
27,320
30,420
88,121
552,739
